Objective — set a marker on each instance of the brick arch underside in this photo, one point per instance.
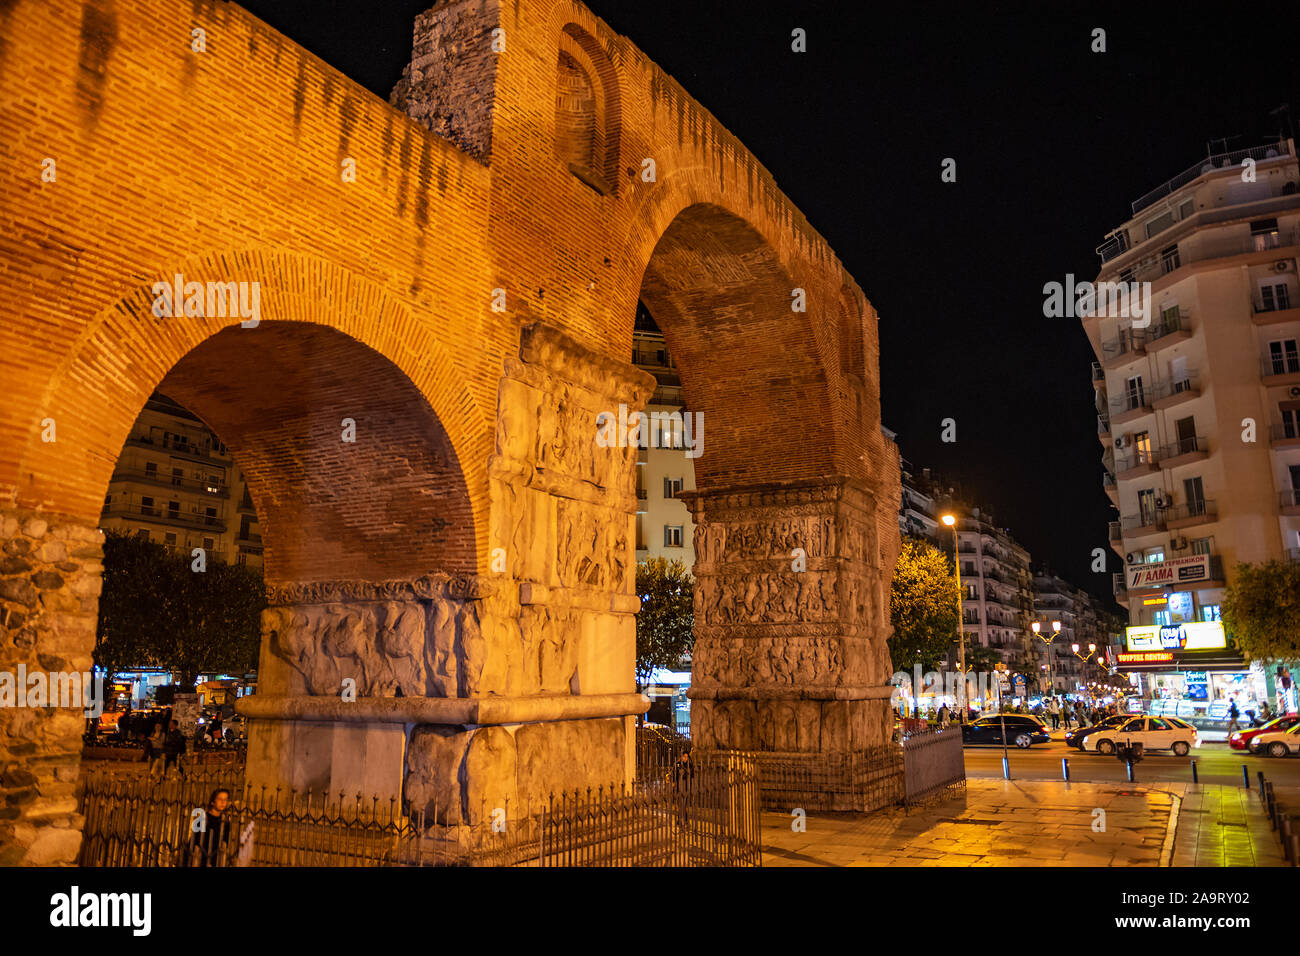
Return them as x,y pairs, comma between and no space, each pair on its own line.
391,504
748,362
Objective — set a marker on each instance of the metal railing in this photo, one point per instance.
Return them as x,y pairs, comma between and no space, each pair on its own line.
1135,459
1103,424
1131,401
1127,341
1206,509
703,813
197,485
1215,161
1134,522
1184,446
1287,363
1289,498
188,519
1118,583
933,763
1191,382
1098,373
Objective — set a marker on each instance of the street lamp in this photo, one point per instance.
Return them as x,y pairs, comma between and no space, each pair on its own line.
951,521
1056,629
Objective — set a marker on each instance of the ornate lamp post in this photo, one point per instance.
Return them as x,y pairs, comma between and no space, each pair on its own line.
951,522
1056,629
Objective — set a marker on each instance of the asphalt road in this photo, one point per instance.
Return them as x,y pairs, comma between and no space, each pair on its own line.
1216,763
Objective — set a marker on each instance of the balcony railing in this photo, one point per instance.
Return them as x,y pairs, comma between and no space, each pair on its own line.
196,485
1148,520
164,516
1206,165
1206,509
1098,373
1275,304
1191,382
1284,363
1284,432
1135,459
179,445
1185,446
1115,533
1118,583
1103,424
1289,498
1129,341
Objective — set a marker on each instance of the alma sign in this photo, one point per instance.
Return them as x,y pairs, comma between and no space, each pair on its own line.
1164,574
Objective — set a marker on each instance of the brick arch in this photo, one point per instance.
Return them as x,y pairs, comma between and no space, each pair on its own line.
582,50
124,352
722,296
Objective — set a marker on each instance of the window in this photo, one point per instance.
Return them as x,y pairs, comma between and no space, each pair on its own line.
146,506
209,544
1290,419
1274,296
1202,546
169,539
151,469
1133,392
1211,613
1264,234
1283,356
1169,260
1142,448
108,500
142,534
210,516
672,536
1161,618
672,486
1186,430
1186,208
1170,319
1160,223
1195,493
1147,506
178,476
173,509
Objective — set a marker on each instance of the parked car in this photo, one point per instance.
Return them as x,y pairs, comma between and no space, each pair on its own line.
1022,730
1277,743
1074,738
1153,733
1240,739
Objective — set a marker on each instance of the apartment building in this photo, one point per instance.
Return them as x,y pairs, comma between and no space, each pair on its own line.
1084,620
177,484
998,591
1199,410
921,503
663,522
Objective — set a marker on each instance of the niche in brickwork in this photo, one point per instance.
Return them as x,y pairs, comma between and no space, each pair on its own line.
587,115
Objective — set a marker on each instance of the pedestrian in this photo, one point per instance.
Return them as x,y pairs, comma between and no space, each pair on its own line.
214,728
1265,714
943,717
1233,714
1054,711
173,748
153,748
206,844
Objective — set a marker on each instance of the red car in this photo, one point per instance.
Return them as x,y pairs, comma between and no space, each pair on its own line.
1240,739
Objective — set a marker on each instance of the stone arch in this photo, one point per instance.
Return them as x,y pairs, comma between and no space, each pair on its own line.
588,112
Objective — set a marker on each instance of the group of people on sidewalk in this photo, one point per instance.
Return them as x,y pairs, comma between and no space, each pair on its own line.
1060,711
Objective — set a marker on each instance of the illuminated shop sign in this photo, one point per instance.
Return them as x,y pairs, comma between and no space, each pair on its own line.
1192,636
1146,657
1164,574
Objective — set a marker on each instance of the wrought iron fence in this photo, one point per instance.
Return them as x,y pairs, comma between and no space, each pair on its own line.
697,816
933,764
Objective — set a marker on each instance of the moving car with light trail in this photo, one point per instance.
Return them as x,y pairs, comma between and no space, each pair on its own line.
1241,739
1153,733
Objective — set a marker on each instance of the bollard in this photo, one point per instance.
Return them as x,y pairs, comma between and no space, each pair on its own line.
1195,779
1271,805
1295,849
1259,774
1245,776
1286,838
1006,769
1065,769
1129,764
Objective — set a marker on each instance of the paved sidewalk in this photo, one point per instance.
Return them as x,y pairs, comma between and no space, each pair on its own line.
1038,823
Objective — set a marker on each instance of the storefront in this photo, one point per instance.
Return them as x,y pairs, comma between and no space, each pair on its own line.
1187,670
669,704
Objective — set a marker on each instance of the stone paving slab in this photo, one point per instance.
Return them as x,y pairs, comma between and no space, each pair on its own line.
1039,823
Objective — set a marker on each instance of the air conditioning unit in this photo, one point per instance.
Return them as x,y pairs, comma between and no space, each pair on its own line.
1119,442
1131,557
1282,265
1295,391
1178,544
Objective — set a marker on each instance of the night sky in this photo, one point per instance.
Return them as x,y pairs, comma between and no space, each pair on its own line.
1052,143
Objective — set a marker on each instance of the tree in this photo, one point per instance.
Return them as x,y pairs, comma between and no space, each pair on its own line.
156,611
665,624
922,607
1261,610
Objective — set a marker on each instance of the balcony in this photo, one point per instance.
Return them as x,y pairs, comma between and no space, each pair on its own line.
161,480
1098,373
1129,407
1192,513
188,449
1281,368
1284,436
642,494
1103,429
1175,392
1184,451
1289,501
1110,485
156,515
1130,344
1135,464
1173,327
1142,524
1230,160
1119,586
1273,312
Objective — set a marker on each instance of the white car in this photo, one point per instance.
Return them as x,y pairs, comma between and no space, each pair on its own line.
1276,743
1153,733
